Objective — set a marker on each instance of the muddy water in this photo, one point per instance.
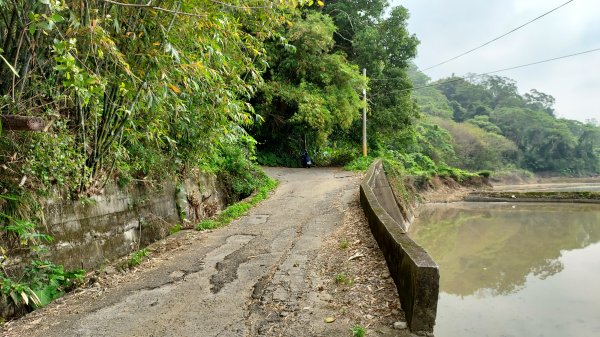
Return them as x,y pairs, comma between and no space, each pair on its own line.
514,269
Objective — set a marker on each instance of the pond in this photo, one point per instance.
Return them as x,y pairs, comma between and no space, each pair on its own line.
514,269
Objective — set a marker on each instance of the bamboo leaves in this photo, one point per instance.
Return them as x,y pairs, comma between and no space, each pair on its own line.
135,90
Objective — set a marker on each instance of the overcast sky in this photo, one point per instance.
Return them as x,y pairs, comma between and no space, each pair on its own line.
448,28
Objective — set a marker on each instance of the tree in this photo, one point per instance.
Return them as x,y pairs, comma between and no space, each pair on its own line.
465,97
587,151
382,45
503,91
477,149
493,104
311,90
546,143
429,99
483,122
540,101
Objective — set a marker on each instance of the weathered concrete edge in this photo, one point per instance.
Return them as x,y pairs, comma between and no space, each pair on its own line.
385,200
415,273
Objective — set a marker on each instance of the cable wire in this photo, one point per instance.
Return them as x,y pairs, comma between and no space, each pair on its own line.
498,38
497,71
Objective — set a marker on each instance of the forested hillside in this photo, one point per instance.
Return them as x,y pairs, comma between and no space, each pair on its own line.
488,125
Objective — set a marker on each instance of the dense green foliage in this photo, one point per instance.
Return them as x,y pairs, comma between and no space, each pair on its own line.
375,37
130,91
40,282
311,96
493,127
310,90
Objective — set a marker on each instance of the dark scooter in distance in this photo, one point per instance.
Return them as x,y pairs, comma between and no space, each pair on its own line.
305,160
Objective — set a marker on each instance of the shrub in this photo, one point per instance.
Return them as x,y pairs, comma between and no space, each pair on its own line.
359,164
239,174
41,283
236,210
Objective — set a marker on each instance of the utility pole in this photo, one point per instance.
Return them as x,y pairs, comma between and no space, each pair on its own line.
364,125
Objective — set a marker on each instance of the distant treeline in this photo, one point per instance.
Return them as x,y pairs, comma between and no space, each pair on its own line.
483,123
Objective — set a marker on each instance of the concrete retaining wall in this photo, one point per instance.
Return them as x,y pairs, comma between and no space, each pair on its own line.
415,273
89,232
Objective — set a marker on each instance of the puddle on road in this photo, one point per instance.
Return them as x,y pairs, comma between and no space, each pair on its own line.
514,269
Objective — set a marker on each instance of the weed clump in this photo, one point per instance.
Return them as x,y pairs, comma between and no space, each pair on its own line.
342,278
358,331
137,257
236,210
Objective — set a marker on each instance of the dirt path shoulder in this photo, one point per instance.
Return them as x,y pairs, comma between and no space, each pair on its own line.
302,263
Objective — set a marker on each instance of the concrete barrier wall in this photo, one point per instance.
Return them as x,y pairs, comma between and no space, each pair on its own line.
90,232
415,273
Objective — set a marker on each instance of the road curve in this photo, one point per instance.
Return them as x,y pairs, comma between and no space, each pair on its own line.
222,283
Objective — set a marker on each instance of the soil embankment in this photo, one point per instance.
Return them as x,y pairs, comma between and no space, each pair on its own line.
570,197
297,260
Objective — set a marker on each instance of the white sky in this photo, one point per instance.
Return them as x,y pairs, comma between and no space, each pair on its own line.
448,28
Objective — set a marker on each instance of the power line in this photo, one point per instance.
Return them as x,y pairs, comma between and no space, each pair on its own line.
499,37
544,61
497,71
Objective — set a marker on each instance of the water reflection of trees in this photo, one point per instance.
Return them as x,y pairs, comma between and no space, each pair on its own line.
495,247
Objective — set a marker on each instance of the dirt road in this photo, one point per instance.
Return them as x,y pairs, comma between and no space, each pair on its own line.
298,259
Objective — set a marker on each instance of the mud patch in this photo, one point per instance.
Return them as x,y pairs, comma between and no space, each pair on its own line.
227,269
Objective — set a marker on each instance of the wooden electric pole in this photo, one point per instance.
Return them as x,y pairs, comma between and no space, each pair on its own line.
364,125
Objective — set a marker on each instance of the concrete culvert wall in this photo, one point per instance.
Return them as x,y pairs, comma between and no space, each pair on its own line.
415,273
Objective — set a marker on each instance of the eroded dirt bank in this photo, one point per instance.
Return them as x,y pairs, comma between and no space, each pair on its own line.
302,257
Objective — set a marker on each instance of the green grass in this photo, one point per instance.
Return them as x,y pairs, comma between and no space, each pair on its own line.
236,210
344,244
342,278
358,331
175,229
207,224
137,257
359,164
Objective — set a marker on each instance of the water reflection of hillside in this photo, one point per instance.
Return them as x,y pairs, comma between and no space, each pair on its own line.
495,246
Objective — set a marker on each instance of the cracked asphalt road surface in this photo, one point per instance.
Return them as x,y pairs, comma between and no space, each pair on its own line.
246,279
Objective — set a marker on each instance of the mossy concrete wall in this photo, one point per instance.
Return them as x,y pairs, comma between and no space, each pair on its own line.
89,232
415,273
